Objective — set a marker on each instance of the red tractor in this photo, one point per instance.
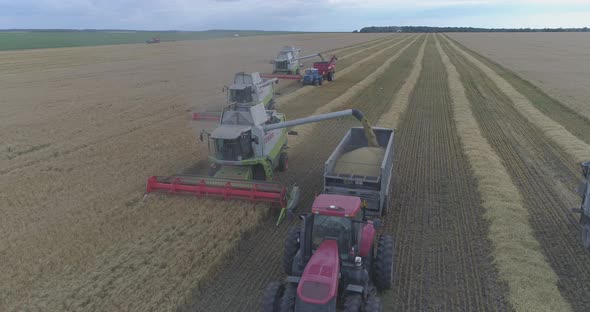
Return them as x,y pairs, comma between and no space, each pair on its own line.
331,262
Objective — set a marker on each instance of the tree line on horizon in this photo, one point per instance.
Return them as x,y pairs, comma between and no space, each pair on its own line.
422,29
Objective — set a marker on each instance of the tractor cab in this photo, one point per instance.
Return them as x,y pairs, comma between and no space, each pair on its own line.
312,72
336,217
312,77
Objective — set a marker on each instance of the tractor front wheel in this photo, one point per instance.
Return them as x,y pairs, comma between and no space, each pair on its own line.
289,297
586,235
315,82
283,162
271,298
353,302
291,249
384,269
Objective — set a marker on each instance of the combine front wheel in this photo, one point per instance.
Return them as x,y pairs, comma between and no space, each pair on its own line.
271,298
283,162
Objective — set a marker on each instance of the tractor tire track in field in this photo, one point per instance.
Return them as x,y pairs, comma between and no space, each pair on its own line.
517,254
571,120
543,172
257,258
442,256
400,103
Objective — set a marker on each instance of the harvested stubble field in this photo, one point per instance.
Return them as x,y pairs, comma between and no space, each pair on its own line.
482,189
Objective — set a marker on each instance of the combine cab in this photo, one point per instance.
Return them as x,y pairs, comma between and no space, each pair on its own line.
331,262
246,90
585,207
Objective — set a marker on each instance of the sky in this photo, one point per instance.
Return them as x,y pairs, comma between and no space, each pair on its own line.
291,15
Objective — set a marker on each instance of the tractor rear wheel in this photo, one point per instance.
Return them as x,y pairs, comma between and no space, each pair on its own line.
374,304
271,298
283,162
315,82
384,269
289,297
353,302
291,249
586,235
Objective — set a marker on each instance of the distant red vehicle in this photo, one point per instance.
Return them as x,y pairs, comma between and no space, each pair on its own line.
153,40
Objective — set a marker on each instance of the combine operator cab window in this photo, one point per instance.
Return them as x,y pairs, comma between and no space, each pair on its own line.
234,149
336,228
282,65
241,96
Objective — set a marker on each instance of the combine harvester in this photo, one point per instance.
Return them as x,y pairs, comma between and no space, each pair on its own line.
584,209
287,65
246,90
330,260
244,150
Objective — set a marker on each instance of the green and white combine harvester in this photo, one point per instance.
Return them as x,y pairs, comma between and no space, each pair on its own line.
247,146
288,63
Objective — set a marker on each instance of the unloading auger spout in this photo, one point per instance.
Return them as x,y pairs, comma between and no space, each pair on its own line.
371,139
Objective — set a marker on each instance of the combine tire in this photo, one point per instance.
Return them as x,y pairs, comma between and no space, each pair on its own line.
586,235
291,249
297,72
288,301
283,162
383,273
271,298
374,305
330,76
353,302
